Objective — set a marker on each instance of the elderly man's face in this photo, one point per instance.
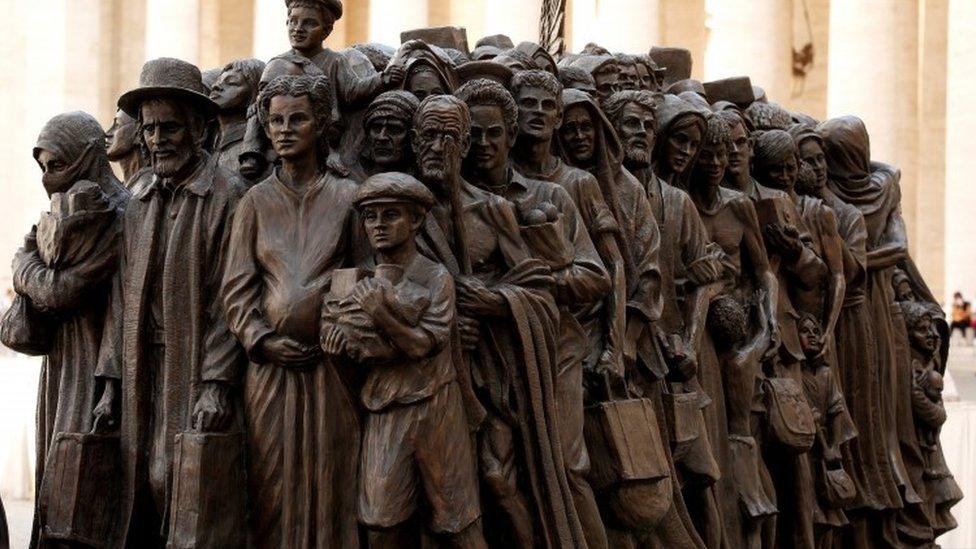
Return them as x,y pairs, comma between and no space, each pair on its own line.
387,140
439,145
308,28
121,137
231,91
539,112
635,127
169,137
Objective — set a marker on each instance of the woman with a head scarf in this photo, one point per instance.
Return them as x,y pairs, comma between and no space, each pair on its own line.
865,457
873,188
64,272
429,70
680,127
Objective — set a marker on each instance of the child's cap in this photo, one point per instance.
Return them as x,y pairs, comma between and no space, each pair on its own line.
393,187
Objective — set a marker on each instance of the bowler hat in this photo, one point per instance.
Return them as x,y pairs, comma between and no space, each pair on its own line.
168,78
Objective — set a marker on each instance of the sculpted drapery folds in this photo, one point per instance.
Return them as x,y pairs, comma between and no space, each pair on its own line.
483,298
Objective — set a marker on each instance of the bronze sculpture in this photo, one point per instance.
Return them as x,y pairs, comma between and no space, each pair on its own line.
526,300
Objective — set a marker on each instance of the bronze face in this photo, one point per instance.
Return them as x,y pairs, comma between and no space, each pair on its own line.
578,135
490,138
424,82
168,136
713,159
811,153
810,336
122,137
291,126
682,145
307,28
635,128
439,145
740,150
389,225
387,140
779,173
231,91
539,113
606,82
924,334
628,77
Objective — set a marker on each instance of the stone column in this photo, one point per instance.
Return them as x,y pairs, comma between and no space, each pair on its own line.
753,38
930,196
873,73
630,26
173,29
226,31
516,18
683,25
388,18
960,200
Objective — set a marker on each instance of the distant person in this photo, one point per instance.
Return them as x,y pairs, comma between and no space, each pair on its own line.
961,316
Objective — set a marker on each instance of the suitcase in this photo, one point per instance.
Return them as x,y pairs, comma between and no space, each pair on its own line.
624,442
207,505
80,491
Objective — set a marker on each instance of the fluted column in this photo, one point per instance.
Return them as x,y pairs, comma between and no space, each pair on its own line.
873,73
388,18
516,18
630,26
173,29
270,33
226,31
960,198
753,38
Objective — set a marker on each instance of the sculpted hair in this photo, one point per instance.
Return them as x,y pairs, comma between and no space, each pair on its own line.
717,131
537,79
251,70
914,312
484,92
573,76
316,88
328,17
769,116
444,102
614,105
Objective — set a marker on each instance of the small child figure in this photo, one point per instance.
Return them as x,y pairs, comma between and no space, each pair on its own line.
834,487
416,443
929,413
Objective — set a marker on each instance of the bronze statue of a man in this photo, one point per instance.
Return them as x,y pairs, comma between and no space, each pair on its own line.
290,232
417,452
387,121
581,280
124,147
169,362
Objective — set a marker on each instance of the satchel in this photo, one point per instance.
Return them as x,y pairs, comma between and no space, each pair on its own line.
25,330
548,242
79,494
207,505
624,442
790,419
682,412
836,487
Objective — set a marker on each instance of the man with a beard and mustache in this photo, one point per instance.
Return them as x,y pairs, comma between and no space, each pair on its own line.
508,324
169,361
124,148
387,121
580,276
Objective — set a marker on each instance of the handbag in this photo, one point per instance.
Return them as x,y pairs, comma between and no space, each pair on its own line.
836,487
78,500
682,412
624,442
207,505
25,330
790,419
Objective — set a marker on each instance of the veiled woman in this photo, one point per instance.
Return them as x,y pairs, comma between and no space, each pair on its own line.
865,457
429,70
64,271
290,232
680,127
873,188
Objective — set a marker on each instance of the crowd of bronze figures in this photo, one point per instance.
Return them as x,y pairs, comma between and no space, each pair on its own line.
494,297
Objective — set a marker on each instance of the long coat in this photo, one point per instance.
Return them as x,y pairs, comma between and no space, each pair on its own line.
199,345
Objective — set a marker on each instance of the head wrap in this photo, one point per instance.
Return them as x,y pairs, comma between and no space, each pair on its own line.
396,103
802,132
773,145
79,141
769,116
848,151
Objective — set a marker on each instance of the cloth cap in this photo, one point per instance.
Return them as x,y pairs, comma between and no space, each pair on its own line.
393,187
395,103
334,6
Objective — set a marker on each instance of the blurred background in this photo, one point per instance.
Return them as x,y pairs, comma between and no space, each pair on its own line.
907,67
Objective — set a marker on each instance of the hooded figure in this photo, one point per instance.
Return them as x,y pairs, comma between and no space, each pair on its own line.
542,58
873,188
64,271
673,115
430,70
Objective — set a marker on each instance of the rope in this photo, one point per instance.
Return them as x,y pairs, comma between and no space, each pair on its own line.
551,26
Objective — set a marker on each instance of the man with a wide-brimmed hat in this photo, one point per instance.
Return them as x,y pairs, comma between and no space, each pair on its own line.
169,362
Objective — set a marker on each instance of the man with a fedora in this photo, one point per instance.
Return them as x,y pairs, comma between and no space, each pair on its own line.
168,361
